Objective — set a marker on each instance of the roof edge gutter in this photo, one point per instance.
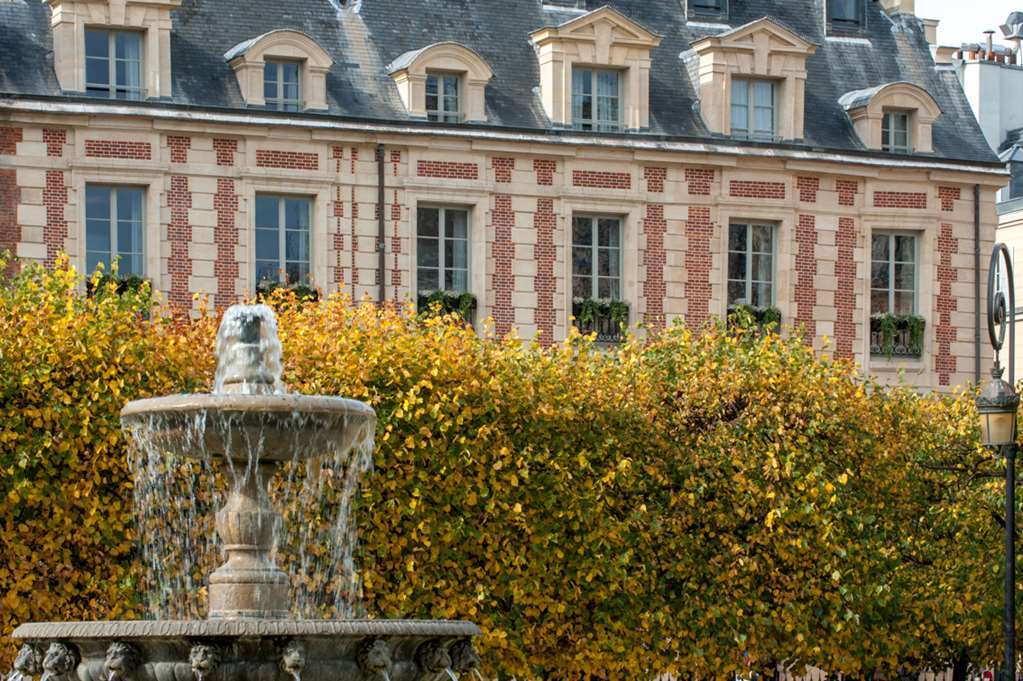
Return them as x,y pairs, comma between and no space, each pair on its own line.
24,104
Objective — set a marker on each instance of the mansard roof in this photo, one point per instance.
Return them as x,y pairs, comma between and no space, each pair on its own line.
363,37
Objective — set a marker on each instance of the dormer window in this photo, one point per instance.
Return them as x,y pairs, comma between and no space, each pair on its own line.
753,108
281,70
895,132
595,71
443,97
707,9
845,16
443,82
894,117
113,64
281,86
596,99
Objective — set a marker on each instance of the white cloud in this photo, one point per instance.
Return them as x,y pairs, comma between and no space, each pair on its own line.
963,22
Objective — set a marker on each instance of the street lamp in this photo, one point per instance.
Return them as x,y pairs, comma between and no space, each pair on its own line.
997,405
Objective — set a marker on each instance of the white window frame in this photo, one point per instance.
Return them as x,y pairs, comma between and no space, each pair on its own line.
595,124
748,252
112,87
114,251
888,121
595,247
750,132
890,286
441,238
280,102
442,114
282,241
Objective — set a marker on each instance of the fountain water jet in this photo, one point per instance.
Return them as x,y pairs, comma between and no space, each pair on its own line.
251,424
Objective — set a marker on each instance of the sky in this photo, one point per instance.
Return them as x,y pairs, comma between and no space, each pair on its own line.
966,20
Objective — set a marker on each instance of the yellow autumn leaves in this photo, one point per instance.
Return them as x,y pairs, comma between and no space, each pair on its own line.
693,503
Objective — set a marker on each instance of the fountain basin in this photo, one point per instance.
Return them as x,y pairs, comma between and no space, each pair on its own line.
282,427
252,649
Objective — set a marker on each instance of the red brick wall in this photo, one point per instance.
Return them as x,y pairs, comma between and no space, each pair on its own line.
9,138
699,231
503,167
846,192
179,147
54,199
900,200
338,211
225,150
845,295
806,270
225,235
55,141
654,258
10,230
599,179
502,221
544,254
179,234
655,179
944,332
395,244
448,169
289,160
544,169
808,188
136,151
699,181
755,189
948,197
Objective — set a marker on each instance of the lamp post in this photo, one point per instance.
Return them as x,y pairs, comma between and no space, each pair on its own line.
997,405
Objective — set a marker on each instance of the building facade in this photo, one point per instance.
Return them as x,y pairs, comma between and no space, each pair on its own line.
647,161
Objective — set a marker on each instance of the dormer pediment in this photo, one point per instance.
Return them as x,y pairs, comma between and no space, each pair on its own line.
600,25
762,35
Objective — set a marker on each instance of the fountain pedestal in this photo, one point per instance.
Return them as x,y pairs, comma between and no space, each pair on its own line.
248,584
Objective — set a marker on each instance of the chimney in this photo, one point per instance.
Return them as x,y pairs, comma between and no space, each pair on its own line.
931,30
990,54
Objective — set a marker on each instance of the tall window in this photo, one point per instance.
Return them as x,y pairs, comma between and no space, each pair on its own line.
893,273
845,14
113,228
751,264
895,132
282,239
597,257
713,9
753,108
442,98
113,64
596,100
281,88
442,249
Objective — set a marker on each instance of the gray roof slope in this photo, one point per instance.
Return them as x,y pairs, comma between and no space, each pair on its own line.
367,35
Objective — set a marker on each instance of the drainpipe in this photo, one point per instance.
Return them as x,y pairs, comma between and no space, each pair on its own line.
382,231
976,284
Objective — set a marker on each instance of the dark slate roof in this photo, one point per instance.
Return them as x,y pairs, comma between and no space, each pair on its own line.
365,36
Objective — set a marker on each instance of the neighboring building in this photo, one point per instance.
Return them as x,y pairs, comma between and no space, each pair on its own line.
992,78
661,159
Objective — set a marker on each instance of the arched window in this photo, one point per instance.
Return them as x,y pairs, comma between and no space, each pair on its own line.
281,70
444,82
894,117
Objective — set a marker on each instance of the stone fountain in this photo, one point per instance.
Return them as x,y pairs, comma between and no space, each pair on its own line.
249,423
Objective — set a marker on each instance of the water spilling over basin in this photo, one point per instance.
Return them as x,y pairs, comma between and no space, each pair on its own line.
250,424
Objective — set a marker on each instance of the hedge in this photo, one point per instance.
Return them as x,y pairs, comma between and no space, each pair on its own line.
689,503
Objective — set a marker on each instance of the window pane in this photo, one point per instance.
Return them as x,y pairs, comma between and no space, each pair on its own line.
455,254
582,82
763,93
762,239
582,231
97,44
93,260
605,258
427,280
763,121
737,293
297,272
270,81
97,238
431,85
582,287
128,45
614,261
878,302
97,203
427,252
879,247
296,214
451,86
905,248
455,223
607,288
97,71
905,277
428,220
879,275
740,91
267,244
761,295
266,212
296,245
582,261
763,269
843,10
608,232
456,281
267,270
289,73
886,132
129,204
129,237
737,266
903,302
737,237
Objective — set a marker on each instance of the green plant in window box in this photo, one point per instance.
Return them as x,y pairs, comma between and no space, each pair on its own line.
744,316
889,327
110,282
302,292
590,310
442,302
